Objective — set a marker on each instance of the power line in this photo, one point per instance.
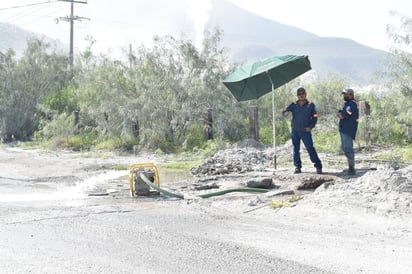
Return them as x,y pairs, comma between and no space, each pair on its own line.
29,12
37,17
36,7
20,17
27,5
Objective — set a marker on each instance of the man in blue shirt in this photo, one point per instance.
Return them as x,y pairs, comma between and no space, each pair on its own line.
303,121
348,125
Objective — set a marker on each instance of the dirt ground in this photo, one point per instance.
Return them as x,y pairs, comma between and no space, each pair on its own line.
333,222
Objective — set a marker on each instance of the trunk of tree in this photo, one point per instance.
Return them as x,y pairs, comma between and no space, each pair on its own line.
106,122
253,123
208,121
364,114
169,133
76,121
135,128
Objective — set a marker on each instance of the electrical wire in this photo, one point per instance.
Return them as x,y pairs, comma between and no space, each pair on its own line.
28,12
49,14
28,5
21,19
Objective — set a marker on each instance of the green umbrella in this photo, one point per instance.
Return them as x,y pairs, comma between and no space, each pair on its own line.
254,80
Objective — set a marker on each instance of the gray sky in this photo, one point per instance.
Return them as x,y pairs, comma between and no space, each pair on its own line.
116,23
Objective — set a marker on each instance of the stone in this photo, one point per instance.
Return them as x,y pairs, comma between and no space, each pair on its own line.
260,183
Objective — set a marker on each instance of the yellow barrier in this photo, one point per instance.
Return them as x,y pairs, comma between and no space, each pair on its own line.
132,169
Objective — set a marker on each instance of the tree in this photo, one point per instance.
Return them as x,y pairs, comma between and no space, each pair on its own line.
176,83
395,118
401,54
38,73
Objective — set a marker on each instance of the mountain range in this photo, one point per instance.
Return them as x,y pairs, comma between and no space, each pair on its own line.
16,38
250,37
13,37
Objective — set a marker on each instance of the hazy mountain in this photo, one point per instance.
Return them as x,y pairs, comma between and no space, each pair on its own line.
251,37
243,28
14,37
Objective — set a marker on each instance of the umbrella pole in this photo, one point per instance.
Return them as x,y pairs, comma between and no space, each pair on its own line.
273,121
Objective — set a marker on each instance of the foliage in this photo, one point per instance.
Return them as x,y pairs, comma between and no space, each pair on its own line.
405,153
195,137
25,82
110,143
176,84
158,98
327,141
400,65
211,148
60,126
390,120
266,135
62,101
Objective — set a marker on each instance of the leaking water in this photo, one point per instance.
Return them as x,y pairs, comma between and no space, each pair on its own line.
54,191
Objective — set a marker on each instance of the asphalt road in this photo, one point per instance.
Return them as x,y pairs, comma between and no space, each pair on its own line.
49,224
105,235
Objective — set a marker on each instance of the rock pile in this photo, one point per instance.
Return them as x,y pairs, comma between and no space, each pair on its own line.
242,157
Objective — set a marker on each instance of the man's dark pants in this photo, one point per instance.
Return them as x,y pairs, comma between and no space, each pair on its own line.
347,147
306,138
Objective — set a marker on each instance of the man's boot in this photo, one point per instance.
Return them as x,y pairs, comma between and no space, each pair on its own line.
351,163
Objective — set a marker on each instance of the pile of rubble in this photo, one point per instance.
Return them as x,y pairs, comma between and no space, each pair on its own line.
242,157
384,191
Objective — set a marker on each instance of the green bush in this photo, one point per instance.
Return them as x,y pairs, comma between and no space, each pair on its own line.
111,143
85,140
195,137
213,146
266,136
405,153
283,133
61,126
327,141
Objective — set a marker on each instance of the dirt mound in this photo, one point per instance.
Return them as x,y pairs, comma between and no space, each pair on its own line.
235,160
384,192
244,156
249,143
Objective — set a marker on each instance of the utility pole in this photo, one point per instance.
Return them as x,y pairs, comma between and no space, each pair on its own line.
71,19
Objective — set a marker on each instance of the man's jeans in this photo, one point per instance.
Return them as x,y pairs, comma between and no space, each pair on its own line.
306,137
347,147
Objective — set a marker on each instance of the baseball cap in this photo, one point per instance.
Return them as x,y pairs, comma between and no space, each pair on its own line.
348,91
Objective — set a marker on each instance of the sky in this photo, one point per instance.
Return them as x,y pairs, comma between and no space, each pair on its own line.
117,23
